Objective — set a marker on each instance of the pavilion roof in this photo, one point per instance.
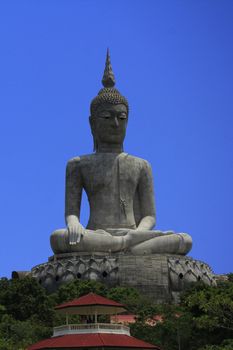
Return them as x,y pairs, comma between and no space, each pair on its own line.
90,304
75,341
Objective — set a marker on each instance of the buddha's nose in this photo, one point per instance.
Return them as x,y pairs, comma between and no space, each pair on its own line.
116,121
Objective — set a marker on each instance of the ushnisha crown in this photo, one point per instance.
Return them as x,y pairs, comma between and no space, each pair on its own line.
109,94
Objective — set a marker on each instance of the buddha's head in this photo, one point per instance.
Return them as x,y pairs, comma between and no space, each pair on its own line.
109,113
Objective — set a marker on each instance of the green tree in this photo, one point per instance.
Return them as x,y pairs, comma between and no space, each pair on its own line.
226,345
26,299
212,313
130,297
230,277
212,307
77,288
203,320
172,332
15,334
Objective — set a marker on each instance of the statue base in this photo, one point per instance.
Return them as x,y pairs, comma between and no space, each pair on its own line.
161,277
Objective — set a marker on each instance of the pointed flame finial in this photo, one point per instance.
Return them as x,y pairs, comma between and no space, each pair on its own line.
108,80
108,94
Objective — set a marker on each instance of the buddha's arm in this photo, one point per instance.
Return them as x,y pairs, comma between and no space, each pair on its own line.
73,199
147,223
146,199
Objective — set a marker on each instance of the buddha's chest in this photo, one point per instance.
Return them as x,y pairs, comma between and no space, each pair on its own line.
110,174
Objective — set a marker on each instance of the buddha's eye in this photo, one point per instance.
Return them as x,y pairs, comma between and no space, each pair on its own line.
105,115
122,115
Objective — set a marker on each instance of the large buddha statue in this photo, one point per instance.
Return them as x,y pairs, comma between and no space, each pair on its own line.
119,188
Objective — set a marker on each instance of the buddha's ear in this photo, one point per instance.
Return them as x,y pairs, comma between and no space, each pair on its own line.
92,124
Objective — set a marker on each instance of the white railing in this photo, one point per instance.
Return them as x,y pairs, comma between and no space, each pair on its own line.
90,328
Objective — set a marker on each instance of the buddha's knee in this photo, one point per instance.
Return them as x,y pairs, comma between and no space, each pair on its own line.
59,241
178,243
185,244
167,244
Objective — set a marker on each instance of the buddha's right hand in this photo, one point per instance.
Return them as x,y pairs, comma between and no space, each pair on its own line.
75,229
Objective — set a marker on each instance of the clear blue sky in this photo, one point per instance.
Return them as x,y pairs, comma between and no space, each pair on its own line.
172,60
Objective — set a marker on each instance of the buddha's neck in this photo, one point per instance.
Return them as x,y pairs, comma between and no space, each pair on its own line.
109,148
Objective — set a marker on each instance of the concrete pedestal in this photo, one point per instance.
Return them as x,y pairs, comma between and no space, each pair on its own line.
161,277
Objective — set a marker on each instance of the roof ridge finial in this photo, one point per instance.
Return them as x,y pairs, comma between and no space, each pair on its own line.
108,80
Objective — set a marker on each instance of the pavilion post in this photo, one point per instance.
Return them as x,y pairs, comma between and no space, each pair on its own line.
95,316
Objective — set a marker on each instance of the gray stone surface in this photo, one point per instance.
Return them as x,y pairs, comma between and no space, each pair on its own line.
119,188
161,277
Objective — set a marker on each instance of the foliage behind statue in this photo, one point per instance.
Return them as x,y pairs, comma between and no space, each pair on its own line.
197,322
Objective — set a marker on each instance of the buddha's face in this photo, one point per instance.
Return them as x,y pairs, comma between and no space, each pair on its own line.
109,124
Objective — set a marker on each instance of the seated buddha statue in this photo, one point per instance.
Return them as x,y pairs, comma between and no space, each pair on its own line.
119,188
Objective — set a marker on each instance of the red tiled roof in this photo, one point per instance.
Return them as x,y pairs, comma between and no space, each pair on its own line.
88,300
92,341
125,319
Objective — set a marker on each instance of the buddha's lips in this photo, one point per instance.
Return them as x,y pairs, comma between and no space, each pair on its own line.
115,132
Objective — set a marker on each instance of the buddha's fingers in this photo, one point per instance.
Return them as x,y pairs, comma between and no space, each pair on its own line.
78,238
71,236
82,231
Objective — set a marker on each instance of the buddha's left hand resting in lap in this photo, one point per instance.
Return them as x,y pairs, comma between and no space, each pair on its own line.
119,188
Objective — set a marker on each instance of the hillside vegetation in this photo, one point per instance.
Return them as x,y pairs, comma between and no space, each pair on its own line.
202,321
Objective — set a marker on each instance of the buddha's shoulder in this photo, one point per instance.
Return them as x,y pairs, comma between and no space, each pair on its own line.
137,160
81,160
94,159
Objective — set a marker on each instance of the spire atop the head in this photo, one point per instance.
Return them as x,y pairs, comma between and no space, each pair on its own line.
108,80
108,94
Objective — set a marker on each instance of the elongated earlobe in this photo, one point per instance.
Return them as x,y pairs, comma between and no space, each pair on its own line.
92,125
